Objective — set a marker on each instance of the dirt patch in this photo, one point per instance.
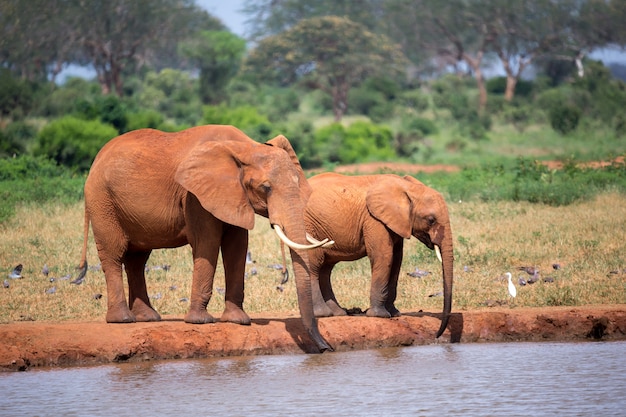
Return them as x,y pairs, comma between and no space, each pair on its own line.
619,161
25,345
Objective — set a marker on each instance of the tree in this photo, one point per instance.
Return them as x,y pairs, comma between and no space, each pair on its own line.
218,55
524,30
36,41
453,31
271,17
330,53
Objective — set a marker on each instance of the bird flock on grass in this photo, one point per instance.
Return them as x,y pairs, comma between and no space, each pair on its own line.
17,273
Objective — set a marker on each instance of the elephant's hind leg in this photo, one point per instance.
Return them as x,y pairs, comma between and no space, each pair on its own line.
138,299
234,249
110,254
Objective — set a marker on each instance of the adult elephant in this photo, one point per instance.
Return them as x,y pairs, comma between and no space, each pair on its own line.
149,189
371,215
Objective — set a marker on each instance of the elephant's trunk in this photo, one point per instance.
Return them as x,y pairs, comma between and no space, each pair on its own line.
447,263
299,260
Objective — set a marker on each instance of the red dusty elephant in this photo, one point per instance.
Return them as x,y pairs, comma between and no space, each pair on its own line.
371,215
149,189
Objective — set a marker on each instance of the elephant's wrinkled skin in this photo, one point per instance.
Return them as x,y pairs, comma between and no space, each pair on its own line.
371,215
149,189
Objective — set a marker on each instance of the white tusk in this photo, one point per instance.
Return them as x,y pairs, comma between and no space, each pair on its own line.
438,252
294,245
326,243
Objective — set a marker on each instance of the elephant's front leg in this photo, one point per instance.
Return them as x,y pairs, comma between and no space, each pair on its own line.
234,248
138,299
398,252
204,263
380,253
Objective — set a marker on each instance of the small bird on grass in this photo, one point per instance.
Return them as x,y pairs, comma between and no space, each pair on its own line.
16,273
51,290
512,289
45,270
418,273
5,284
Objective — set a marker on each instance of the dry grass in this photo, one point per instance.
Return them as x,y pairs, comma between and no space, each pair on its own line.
586,239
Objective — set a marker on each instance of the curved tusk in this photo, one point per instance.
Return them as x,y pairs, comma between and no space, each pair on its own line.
326,243
294,245
438,252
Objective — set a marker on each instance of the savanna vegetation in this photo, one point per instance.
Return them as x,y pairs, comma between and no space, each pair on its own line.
347,82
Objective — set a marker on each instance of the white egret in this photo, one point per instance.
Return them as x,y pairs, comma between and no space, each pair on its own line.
512,289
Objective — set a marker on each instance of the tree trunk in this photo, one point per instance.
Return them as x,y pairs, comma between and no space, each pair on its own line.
511,82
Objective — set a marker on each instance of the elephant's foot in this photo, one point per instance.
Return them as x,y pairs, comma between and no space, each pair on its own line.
199,317
322,310
144,312
378,311
120,315
393,311
336,308
235,314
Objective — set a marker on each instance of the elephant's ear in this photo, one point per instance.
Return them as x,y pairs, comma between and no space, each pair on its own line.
282,142
211,172
388,202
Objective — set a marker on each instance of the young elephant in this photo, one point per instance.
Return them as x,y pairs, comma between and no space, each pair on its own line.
371,215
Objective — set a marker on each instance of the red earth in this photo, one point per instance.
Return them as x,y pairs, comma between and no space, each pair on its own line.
26,345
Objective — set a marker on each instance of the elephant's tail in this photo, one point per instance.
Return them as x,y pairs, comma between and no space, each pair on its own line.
83,258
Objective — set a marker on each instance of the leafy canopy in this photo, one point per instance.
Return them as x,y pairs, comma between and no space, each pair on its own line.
331,53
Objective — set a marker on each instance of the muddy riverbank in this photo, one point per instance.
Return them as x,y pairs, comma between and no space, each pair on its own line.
26,345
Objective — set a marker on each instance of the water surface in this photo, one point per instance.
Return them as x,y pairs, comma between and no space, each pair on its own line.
509,379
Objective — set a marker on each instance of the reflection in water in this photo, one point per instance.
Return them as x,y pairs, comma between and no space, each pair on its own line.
475,379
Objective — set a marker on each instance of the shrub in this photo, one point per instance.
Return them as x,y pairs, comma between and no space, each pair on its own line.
16,96
415,100
564,118
73,142
497,85
246,118
361,141
15,137
26,179
147,118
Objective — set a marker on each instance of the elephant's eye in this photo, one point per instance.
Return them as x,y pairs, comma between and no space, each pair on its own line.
431,220
266,188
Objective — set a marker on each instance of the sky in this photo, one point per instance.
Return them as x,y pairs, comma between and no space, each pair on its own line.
227,11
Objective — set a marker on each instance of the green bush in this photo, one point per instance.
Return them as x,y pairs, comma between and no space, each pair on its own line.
564,118
147,118
73,142
415,100
15,138
497,85
16,96
28,179
72,97
361,141
362,100
246,118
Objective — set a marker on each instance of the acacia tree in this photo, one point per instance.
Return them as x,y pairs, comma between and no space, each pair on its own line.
271,17
218,55
330,53
452,31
